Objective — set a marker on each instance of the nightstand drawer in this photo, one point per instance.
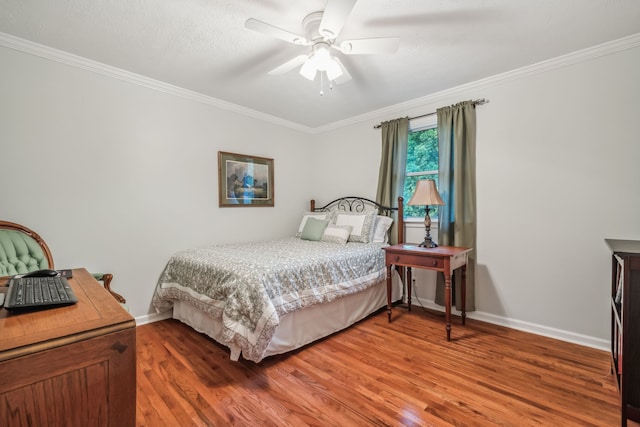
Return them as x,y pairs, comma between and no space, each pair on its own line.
415,260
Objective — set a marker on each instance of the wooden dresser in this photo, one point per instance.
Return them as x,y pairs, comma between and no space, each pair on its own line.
625,325
71,366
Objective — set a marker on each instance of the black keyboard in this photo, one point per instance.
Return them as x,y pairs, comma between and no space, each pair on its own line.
31,293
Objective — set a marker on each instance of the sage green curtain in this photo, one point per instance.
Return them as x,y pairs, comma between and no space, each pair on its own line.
457,187
395,137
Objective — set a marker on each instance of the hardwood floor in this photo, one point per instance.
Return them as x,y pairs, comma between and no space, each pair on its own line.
376,373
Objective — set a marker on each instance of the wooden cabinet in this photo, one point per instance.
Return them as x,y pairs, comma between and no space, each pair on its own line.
625,324
69,366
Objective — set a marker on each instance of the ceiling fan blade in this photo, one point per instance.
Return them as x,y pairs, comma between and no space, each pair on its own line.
289,65
270,30
345,77
369,46
334,16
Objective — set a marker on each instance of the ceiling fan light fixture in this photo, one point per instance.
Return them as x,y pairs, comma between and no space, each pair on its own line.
333,70
308,69
322,28
320,60
321,56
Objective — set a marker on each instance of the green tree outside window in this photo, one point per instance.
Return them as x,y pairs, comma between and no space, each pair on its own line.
422,163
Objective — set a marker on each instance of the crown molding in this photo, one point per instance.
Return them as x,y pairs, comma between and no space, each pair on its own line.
56,55
583,55
579,56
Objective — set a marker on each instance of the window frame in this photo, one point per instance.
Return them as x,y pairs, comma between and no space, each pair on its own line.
417,125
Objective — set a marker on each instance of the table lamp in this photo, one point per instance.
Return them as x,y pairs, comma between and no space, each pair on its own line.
426,194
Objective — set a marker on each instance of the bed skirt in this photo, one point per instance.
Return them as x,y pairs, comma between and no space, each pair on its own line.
301,327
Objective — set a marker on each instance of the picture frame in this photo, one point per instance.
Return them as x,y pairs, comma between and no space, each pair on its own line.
244,180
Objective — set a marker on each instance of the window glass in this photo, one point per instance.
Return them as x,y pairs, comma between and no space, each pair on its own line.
422,163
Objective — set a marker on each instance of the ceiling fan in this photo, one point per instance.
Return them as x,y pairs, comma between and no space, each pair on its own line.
321,31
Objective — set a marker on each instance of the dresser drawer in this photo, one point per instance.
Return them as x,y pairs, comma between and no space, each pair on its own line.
414,260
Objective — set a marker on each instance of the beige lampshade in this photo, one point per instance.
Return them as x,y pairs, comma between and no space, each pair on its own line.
426,194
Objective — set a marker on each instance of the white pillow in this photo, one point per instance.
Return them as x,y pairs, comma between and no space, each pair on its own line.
337,234
316,215
362,223
381,228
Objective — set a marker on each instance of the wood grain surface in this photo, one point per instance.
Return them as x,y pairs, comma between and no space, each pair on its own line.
377,374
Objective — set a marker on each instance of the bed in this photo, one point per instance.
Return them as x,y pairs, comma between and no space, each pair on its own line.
265,298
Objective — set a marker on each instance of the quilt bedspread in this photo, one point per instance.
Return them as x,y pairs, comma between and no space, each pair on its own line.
249,286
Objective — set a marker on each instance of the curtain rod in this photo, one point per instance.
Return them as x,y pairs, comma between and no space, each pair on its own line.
474,103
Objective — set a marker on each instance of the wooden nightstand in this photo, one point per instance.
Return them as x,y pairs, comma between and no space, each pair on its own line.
444,259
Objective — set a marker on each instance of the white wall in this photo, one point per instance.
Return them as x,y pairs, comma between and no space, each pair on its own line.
557,172
116,177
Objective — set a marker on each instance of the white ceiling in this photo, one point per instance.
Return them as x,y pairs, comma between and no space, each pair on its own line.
201,45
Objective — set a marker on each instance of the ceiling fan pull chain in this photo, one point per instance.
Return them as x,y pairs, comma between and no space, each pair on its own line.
321,91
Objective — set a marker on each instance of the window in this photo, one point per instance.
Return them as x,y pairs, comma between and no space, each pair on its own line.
422,163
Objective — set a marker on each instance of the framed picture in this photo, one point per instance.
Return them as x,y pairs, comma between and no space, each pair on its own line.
244,180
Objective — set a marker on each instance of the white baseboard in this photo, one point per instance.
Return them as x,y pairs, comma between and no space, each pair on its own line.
153,317
546,331
520,325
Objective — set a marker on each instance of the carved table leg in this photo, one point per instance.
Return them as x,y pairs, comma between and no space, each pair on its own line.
463,287
409,287
447,302
389,292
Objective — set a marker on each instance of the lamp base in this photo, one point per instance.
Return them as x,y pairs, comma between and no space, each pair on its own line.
428,243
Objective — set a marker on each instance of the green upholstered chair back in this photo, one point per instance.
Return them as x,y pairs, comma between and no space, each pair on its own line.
22,250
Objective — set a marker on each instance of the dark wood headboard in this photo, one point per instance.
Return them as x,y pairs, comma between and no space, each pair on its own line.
360,204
